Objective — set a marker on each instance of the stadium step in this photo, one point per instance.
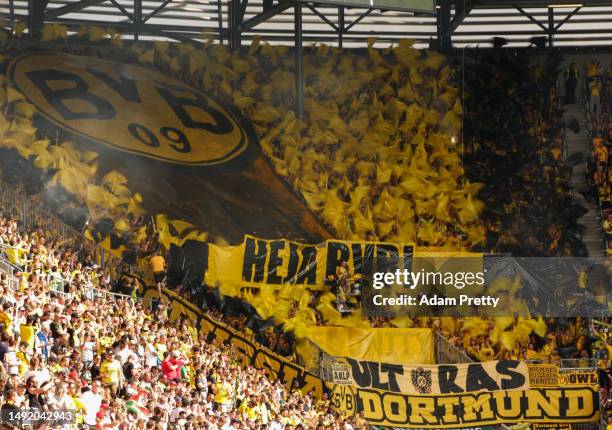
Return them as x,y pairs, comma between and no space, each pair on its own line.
579,143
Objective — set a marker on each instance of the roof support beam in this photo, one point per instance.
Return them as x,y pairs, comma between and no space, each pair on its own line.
73,7
243,6
531,18
356,21
568,17
443,22
320,15
262,17
235,26
156,11
36,17
551,27
340,25
299,67
462,9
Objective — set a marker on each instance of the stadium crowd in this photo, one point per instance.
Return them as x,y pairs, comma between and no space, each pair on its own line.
123,365
599,172
528,201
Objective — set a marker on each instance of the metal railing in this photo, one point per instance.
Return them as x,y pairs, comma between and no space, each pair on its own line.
446,352
89,291
577,363
32,214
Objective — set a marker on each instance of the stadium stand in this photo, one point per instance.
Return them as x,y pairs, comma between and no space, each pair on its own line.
598,125
384,165
68,342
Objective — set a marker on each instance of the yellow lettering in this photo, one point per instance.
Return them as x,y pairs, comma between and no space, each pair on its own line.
477,407
289,374
574,398
311,383
447,403
422,409
221,335
270,364
395,408
206,326
542,405
501,400
372,406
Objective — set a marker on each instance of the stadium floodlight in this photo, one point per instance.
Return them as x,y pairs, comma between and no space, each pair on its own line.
422,6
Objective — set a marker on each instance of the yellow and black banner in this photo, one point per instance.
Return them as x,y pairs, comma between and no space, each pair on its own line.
549,375
440,379
578,377
381,344
543,375
258,262
551,426
544,405
249,352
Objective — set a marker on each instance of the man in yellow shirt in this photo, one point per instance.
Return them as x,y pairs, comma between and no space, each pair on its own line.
486,353
594,91
158,266
111,371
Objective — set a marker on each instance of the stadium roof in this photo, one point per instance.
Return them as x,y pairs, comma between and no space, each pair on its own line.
467,22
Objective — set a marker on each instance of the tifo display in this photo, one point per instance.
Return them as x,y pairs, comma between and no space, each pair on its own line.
181,250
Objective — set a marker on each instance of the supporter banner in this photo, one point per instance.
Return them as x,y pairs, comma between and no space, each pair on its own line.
551,426
440,379
578,377
543,375
258,262
104,94
168,138
545,405
465,428
249,352
601,323
389,345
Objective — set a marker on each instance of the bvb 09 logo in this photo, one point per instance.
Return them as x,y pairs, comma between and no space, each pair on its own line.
130,108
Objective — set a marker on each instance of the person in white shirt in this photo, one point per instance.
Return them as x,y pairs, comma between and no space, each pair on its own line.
91,401
276,424
88,348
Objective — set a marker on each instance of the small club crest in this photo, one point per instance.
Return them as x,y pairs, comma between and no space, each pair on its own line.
421,380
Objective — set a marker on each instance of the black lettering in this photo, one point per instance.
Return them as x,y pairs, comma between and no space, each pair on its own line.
337,253
292,267
308,269
177,136
478,379
361,372
375,372
349,402
446,379
124,87
387,258
255,253
143,134
407,257
275,262
102,109
220,125
507,368
392,370
363,258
